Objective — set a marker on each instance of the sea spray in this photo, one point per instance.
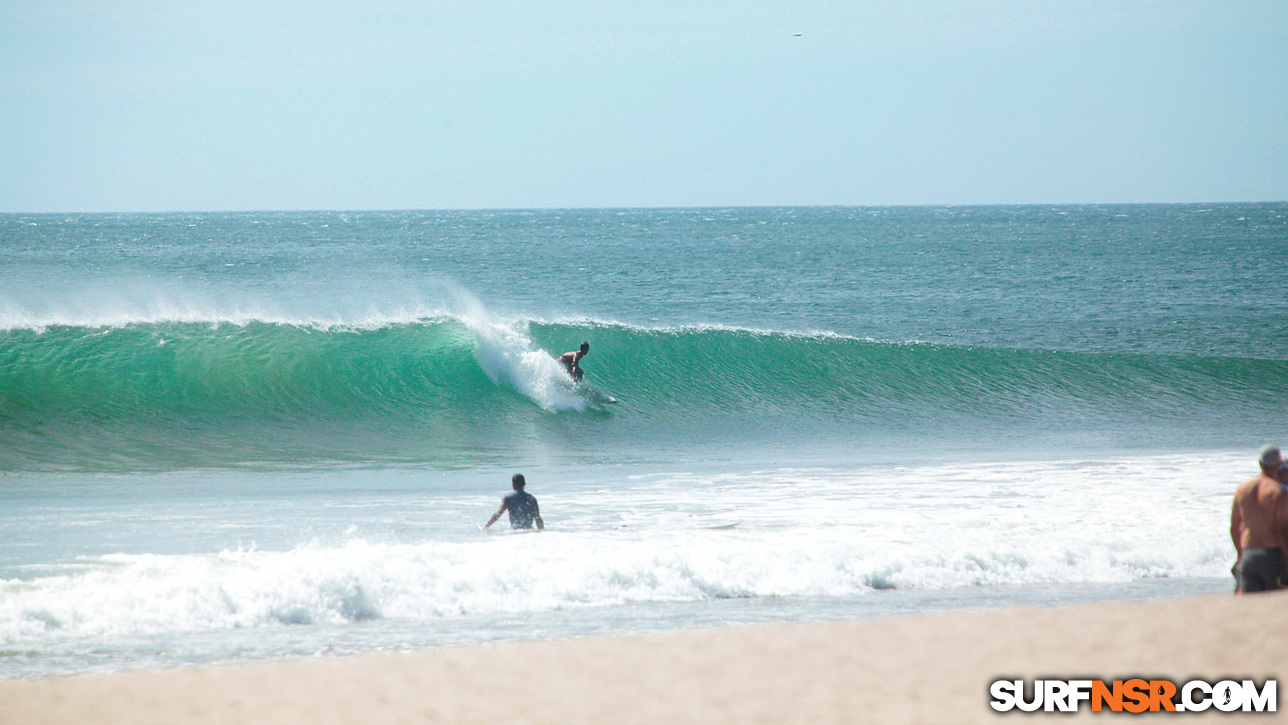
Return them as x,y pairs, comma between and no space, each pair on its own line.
508,358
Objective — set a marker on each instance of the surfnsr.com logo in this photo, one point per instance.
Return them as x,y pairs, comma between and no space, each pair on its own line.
1134,696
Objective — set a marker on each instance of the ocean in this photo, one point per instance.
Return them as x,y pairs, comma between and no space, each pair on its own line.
230,437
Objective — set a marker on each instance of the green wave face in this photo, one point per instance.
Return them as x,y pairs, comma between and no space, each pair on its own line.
456,392
698,370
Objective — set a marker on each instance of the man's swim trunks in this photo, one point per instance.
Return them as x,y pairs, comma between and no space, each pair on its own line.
1262,570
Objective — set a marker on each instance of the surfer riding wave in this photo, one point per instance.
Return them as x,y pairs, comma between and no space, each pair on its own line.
571,359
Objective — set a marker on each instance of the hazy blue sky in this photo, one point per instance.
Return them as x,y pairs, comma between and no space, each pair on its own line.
157,105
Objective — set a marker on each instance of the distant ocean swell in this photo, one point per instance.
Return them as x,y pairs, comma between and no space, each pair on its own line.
193,394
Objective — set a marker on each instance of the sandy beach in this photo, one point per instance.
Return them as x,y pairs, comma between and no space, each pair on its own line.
918,669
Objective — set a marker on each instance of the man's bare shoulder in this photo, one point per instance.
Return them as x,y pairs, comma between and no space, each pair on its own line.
1252,490
1247,487
1263,487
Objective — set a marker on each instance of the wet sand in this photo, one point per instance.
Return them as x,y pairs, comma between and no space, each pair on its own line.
919,669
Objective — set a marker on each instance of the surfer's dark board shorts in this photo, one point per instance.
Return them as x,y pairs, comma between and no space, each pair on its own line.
1262,570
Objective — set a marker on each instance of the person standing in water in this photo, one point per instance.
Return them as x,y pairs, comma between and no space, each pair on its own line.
1259,527
522,507
570,361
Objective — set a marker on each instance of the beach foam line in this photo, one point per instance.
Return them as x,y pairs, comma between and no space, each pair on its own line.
918,669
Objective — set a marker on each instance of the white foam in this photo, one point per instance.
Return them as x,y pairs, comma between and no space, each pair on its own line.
800,533
508,356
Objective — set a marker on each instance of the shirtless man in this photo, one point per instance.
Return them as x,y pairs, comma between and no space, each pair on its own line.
522,507
570,359
1257,527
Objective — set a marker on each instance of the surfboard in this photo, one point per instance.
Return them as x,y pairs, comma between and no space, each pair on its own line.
595,395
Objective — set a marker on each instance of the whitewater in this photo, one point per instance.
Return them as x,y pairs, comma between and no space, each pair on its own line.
231,437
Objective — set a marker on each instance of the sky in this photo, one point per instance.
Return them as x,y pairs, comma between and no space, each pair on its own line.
161,105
